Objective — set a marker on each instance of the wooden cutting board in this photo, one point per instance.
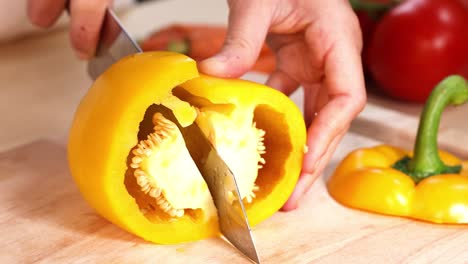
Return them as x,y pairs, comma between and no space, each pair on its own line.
45,220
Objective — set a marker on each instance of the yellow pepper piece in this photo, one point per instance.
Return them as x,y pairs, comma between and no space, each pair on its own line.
365,180
430,185
132,166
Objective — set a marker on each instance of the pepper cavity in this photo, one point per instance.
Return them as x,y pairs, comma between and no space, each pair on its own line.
166,174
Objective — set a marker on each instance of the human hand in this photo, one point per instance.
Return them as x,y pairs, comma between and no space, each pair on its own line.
86,20
318,46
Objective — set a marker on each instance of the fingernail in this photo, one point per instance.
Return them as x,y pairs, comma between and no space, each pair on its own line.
82,55
302,186
289,206
215,65
215,60
293,201
220,58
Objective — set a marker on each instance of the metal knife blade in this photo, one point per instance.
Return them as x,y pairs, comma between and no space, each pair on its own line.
114,44
233,220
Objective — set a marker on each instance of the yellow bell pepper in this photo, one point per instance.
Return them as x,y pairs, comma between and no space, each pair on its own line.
431,185
130,163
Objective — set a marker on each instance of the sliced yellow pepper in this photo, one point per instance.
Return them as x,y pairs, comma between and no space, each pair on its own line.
132,166
431,185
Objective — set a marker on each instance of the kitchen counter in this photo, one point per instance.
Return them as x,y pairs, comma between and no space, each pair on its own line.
45,220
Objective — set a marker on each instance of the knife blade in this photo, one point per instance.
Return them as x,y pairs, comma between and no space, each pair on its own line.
233,221
114,44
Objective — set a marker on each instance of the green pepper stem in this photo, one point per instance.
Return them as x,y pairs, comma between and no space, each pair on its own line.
453,90
180,46
372,6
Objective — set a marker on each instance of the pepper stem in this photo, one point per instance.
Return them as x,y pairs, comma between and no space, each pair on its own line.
453,90
180,46
372,6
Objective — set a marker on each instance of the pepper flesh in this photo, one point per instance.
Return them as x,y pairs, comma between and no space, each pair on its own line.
432,185
115,116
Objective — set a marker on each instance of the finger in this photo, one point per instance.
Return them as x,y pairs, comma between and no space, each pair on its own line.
331,121
344,83
345,91
282,82
346,99
311,93
307,178
313,106
86,21
247,28
44,13
322,99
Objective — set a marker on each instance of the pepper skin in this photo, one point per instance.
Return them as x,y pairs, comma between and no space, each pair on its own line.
429,185
110,120
366,180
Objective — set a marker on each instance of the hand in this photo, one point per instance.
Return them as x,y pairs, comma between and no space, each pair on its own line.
86,20
317,45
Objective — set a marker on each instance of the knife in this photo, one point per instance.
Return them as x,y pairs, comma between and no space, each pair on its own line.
114,44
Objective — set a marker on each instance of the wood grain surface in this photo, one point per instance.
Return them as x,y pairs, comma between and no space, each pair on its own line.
45,220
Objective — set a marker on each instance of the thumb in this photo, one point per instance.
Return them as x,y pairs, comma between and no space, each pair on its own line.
247,28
